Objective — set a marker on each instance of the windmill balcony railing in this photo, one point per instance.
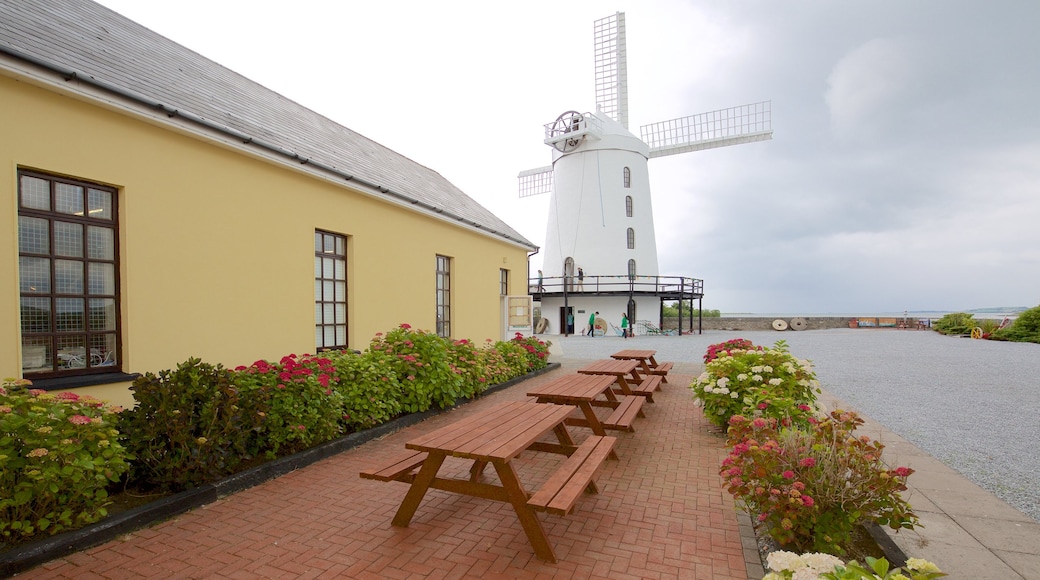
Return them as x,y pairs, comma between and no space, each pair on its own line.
617,284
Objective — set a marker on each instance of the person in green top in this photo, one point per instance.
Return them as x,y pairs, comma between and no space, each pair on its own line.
592,324
624,325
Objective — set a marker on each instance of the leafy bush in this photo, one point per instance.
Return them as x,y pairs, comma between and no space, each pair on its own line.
505,360
190,426
955,323
1026,328
368,386
763,383
811,487
787,566
58,455
465,362
537,350
297,400
728,347
421,364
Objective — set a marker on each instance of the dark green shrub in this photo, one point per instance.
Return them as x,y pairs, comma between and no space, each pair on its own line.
297,399
421,363
503,360
190,426
1026,327
58,455
368,386
955,323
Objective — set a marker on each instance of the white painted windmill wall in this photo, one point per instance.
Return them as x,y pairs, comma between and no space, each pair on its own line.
587,211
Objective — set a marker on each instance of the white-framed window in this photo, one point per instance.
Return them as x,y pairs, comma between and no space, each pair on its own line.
503,282
68,276
330,290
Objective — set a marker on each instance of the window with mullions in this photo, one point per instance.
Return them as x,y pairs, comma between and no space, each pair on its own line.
444,296
330,290
503,282
628,177
67,276
628,206
631,239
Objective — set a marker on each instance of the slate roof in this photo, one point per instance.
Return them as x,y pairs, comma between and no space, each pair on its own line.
105,47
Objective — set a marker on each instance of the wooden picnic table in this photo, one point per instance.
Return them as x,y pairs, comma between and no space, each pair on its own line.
584,392
497,436
647,362
626,374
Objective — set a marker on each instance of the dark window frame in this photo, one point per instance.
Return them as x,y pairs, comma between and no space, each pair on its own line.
628,206
631,238
627,177
90,349
443,290
503,282
330,251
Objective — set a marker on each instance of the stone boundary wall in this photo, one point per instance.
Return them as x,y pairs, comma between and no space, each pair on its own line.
760,323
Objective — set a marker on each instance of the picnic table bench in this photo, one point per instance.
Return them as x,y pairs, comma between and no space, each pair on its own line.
647,362
584,392
626,375
497,436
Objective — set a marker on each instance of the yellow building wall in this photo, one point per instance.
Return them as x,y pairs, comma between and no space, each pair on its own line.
216,247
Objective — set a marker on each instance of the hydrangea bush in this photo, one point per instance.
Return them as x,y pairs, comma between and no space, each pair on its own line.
58,455
810,487
537,350
725,348
763,383
422,367
785,565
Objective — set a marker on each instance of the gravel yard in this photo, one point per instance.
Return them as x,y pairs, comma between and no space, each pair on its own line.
972,404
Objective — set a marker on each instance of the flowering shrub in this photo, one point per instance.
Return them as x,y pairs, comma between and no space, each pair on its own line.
466,363
790,566
58,455
297,400
508,359
368,386
421,364
727,348
189,426
1026,327
763,383
809,488
537,350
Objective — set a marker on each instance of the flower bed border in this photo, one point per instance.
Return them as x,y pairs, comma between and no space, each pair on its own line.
44,550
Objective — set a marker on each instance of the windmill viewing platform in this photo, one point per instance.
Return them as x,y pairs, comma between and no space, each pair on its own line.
664,287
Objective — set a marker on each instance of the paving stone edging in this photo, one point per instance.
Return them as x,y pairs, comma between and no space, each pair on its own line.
44,550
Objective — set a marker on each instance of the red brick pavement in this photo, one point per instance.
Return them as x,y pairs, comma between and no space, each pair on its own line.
661,513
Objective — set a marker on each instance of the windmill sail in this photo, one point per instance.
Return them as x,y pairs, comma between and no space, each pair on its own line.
732,126
611,67
536,181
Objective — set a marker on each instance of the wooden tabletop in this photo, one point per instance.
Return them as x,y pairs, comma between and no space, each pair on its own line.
634,354
610,366
500,433
573,388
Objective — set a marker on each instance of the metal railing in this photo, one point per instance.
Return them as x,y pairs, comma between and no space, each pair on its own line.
621,284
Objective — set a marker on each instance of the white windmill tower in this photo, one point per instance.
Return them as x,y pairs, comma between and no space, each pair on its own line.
600,213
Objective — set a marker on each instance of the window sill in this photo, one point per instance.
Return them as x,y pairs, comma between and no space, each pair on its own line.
61,383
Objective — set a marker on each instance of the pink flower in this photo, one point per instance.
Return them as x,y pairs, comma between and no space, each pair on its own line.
759,422
405,326
281,386
805,407
763,405
762,517
807,462
903,471
79,420
67,396
807,501
788,474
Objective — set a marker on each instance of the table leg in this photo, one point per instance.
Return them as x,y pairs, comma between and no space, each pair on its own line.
591,419
415,494
528,518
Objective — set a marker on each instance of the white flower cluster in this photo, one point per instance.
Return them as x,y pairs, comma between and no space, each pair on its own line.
799,567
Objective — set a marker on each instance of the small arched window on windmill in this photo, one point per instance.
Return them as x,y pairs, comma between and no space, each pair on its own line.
628,206
631,269
628,177
631,239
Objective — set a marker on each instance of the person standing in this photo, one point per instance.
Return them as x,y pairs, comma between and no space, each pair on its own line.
540,287
581,279
592,324
624,325
570,323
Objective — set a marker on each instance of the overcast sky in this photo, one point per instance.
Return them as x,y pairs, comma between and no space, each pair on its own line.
904,171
